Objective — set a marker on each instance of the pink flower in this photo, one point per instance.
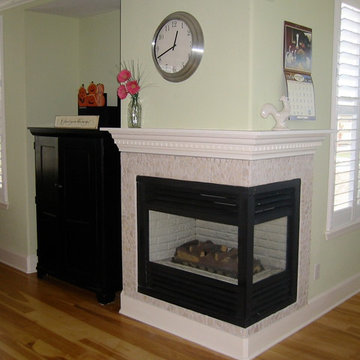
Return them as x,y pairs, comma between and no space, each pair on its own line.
123,75
132,87
122,92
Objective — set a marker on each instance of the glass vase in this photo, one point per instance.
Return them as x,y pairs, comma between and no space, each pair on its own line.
134,113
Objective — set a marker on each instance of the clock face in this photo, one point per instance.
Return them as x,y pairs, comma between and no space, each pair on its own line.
177,46
173,46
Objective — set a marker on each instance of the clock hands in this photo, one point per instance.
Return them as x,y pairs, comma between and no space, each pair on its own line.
171,48
175,40
166,51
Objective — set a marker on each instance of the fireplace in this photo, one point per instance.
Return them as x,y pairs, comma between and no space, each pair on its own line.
243,161
229,252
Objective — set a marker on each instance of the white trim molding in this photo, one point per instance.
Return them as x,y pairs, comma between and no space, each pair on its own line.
4,205
24,263
340,231
241,145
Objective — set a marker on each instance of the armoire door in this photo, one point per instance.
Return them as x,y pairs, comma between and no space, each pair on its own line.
80,173
48,193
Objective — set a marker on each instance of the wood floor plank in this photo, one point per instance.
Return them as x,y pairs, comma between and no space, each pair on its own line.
51,320
332,337
59,326
65,322
6,356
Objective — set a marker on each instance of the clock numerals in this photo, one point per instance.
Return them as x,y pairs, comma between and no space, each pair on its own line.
173,46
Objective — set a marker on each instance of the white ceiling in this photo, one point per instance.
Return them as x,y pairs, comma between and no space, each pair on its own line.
78,8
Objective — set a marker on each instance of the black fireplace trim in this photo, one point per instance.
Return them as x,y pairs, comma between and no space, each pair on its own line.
241,304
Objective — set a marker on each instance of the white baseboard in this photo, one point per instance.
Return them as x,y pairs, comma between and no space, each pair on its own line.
26,264
237,347
188,329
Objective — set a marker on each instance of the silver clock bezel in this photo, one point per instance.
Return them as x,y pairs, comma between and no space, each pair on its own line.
196,52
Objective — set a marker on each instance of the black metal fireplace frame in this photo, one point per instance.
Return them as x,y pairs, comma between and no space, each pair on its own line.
241,304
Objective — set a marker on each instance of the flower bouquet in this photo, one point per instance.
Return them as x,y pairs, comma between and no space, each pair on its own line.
130,85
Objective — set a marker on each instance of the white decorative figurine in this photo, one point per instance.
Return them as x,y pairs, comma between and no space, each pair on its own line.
280,117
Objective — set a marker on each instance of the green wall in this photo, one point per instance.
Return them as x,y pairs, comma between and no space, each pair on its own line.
240,71
267,80
99,46
52,72
46,60
14,221
241,68
216,96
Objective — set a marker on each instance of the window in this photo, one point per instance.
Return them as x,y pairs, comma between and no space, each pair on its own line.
344,211
3,188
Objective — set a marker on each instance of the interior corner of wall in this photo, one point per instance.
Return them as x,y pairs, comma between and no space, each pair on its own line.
251,67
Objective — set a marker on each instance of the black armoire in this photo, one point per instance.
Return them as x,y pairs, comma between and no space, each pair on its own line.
78,208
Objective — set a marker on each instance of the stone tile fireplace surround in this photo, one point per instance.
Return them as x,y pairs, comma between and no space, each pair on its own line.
242,158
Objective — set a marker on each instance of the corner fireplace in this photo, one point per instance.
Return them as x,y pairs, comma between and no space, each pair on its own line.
242,159
229,252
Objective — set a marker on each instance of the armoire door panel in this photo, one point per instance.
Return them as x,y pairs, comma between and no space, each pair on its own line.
47,203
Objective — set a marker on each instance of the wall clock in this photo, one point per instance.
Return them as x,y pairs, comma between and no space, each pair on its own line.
178,46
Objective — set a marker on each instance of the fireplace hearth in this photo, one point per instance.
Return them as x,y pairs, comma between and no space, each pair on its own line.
229,252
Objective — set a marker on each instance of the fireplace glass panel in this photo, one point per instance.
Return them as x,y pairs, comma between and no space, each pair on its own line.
194,245
210,249
270,239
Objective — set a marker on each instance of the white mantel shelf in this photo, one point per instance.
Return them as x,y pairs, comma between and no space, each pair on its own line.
242,145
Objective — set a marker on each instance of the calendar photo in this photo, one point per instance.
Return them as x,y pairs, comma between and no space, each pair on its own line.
297,48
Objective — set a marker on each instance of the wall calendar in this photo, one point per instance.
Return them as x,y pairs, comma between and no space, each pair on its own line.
297,71
300,89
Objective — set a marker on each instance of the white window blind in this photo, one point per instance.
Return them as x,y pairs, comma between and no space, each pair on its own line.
345,186
3,185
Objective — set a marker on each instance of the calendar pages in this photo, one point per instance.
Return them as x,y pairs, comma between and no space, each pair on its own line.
297,71
300,90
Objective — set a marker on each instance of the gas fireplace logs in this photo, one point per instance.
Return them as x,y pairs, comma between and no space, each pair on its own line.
206,255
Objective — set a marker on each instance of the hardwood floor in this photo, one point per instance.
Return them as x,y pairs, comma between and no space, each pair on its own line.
335,336
52,320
